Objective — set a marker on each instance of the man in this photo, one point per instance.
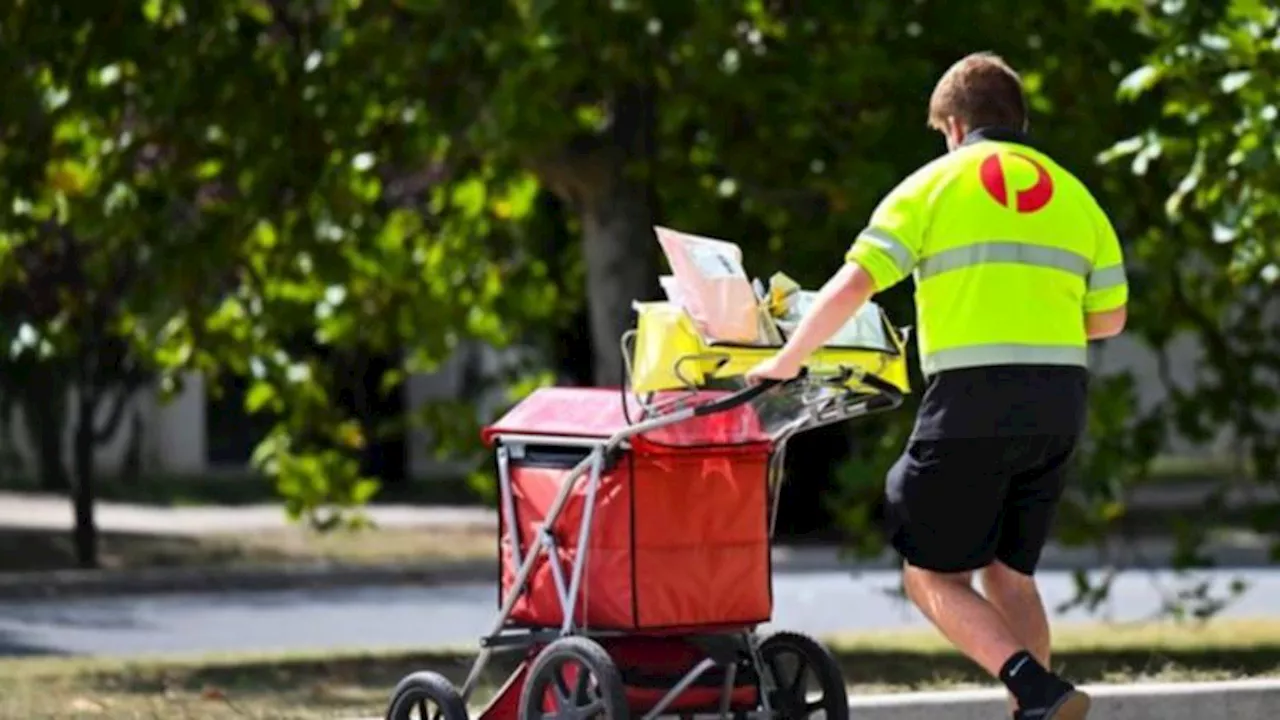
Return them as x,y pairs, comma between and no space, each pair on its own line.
1016,268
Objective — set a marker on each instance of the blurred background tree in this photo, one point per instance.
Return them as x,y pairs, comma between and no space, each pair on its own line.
321,198
221,188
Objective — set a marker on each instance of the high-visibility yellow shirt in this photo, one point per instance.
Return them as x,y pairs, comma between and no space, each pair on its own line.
1008,250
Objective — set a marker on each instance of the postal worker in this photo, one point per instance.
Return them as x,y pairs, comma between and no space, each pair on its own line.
1016,268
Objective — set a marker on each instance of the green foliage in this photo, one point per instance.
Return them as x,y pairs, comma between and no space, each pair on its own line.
67,260
256,188
1197,240
1209,262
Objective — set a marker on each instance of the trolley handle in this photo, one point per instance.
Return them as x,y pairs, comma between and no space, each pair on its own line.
743,396
887,395
883,387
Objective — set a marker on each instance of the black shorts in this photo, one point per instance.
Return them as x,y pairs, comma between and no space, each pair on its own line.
956,505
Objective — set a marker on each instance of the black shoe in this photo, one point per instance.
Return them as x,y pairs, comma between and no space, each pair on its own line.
1071,705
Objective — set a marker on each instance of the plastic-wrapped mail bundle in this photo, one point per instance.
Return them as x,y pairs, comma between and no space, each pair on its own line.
712,286
790,304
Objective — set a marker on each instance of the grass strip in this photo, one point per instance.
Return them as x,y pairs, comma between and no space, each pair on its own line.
31,550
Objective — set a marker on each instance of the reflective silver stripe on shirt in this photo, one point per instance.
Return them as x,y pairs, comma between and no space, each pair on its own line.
1107,278
1003,354
892,246
1004,252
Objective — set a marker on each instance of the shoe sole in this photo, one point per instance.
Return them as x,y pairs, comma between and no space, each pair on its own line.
1074,706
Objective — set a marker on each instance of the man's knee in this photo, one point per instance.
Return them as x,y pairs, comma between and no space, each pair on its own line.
1001,581
916,580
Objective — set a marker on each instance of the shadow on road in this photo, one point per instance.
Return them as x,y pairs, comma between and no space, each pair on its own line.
23,550
14,644
77,614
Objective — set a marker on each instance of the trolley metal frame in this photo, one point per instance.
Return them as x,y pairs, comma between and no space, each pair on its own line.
825,400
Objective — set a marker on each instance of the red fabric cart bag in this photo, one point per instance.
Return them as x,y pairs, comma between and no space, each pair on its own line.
679,538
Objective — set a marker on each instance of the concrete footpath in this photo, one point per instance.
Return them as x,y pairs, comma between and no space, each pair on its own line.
31,511
1235,700
52,512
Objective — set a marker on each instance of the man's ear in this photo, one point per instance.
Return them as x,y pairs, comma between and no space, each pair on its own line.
954,131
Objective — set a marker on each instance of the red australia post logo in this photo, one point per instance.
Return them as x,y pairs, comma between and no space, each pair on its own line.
996,180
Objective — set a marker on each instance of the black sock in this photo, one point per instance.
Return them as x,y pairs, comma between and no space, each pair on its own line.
1030,682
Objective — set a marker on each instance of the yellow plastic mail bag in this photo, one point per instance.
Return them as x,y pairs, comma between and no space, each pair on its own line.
670,354
667,349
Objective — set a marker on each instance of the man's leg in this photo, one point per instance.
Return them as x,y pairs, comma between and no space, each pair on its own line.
945,502
1032,498
1026,522
971,623
1018,600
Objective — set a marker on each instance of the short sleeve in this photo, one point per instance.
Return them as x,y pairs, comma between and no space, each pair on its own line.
1108,285
889,248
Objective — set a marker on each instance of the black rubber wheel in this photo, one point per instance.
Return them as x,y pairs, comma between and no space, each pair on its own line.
573,678
426,696
806,678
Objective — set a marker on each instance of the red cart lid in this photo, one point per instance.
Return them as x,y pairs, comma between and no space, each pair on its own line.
591,412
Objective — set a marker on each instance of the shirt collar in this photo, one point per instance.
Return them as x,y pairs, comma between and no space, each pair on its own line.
996,134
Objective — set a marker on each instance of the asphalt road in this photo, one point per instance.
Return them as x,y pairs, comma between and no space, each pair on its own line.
406,617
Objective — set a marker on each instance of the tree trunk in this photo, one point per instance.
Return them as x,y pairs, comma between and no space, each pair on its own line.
608,181
619,250
569,346
86,530
45,427
43,401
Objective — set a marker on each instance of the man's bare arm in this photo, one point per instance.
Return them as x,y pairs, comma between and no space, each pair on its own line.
1108,324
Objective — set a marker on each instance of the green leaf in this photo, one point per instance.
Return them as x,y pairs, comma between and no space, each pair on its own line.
1189,182
469,197
208,169
264,235
591,117
364,490
259,10
1116,6
1124,148
1138,82
261,394
1233,81
152,9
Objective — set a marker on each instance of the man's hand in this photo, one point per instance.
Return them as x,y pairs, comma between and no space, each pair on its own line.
779,367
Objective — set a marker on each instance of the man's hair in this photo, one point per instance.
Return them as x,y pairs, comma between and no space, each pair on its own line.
980,90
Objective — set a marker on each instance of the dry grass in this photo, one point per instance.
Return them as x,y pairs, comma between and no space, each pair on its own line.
38,550
349,685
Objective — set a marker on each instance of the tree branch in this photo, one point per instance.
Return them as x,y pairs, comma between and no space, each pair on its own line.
104,432
580,170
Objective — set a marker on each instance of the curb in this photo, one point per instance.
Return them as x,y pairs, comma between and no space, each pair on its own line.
1236,700
91,583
